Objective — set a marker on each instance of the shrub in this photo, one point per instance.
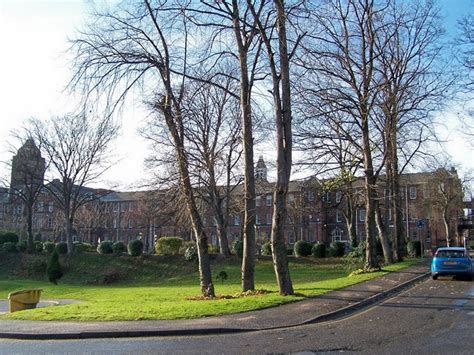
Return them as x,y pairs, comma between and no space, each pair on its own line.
318,250
135,247
289,251
79,247
337,249
38,246
22,246
54,268
168,245
414,248
191,253
267,248
88,247
38,237
302,248
213,249
9,237
119,248
222,276
61,248
238,248
355,259
9,247
105,247
48,247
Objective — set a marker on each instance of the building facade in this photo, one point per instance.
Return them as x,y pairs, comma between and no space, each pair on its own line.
431,209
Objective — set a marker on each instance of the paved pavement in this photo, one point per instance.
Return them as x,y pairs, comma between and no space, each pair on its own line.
329,306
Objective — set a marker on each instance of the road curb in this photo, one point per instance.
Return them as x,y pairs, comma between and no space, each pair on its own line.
337,314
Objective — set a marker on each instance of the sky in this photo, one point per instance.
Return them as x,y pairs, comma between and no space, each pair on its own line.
35,69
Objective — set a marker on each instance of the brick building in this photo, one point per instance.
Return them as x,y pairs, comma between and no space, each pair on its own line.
431,208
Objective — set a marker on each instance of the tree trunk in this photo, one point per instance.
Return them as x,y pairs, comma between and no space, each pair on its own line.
351,220
387,252
69,232
29,227
222,234
248,259
284,154
446,227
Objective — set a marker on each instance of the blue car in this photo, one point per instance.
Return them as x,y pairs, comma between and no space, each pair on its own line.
453,261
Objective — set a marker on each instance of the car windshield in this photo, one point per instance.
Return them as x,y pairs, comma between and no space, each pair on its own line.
450,254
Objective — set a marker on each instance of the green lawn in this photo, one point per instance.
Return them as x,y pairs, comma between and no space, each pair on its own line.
125,288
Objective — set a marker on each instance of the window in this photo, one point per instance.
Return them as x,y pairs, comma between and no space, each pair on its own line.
115,223
130,207
328,196
116,207
413,192
338,196
291,198
269,218
130,223
50,222
338,216
361,215
426,193
258,201
40,206
389,214
414,235
441,187
257,219
291,238
237,220
311,195
337,235
123,207
269,200
402,192
50,207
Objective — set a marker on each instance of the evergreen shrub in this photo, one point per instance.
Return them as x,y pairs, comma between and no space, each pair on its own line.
22,246
318,250
238,248
135,247
191,253
119,248
61,248
267,248
54,268
9,247
168,245
38,246
213,249
302,248
337,249
48,247
10,237
414,248
105,247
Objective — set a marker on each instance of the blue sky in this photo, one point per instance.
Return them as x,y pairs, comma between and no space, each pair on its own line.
34,70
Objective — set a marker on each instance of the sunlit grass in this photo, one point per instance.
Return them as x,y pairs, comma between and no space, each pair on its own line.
162,289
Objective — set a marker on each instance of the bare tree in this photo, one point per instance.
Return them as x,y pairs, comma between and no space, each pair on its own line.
133,42
76,147
465,43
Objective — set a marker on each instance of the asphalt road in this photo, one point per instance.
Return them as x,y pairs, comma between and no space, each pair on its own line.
435,317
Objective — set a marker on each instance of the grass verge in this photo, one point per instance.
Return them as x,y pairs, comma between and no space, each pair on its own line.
151,288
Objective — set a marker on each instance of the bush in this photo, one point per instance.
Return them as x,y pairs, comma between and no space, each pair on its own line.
79,247
88,247
48,247
135,247
22,246
119,248
267,248
61,248
191,253
38,246
213,249
289,251
414,248
302,248
318,250
9,237
38,237
337,249
168,245
54,268
105,247
355,259
238,248
9,247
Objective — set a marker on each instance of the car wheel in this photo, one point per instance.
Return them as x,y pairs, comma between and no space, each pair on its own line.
434,277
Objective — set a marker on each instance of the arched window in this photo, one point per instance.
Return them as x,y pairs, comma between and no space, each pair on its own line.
337,235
